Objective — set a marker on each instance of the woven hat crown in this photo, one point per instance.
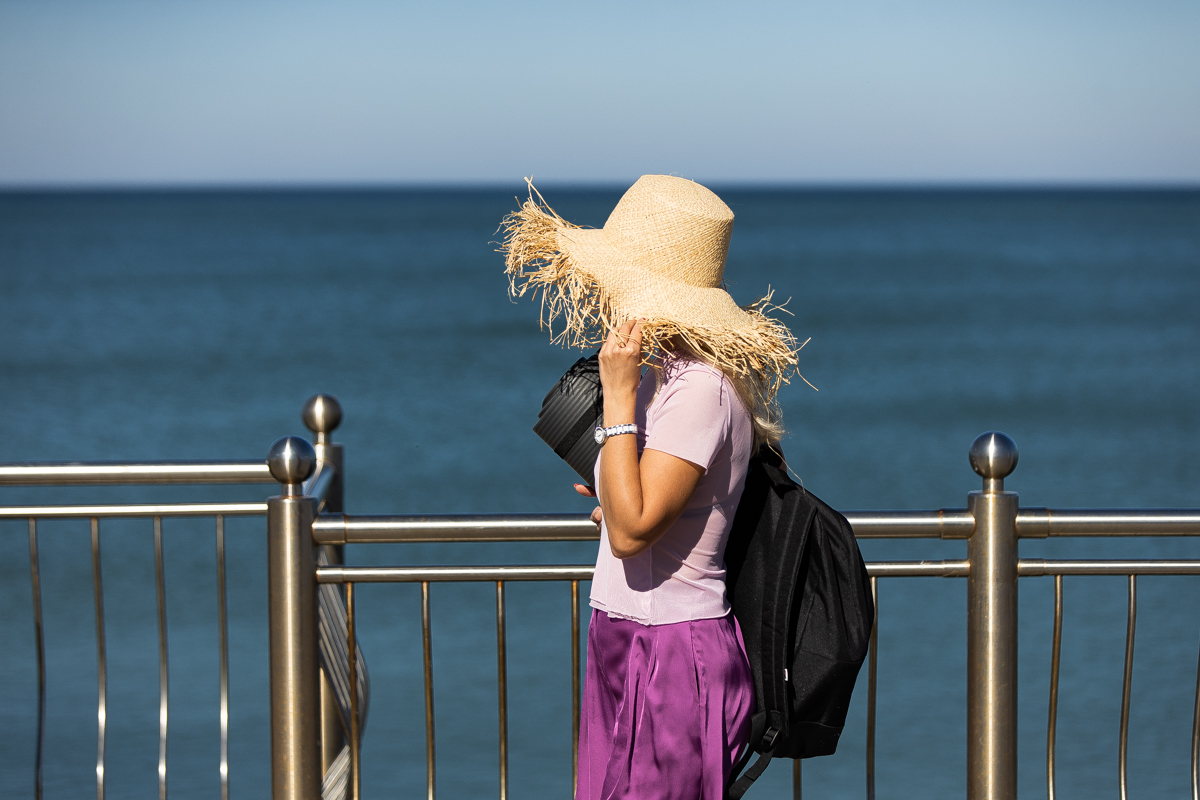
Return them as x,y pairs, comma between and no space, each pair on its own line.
674,227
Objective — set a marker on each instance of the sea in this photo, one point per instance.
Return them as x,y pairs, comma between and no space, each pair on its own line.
152,325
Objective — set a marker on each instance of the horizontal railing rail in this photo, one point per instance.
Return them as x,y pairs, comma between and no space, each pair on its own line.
1038,523
1030,567
1026,567
583,572
936,524
135,473
946,523
339,529
135,510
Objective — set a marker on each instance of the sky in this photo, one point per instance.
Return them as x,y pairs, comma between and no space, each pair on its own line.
856,91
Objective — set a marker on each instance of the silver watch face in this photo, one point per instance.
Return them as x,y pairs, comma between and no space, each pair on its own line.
599,435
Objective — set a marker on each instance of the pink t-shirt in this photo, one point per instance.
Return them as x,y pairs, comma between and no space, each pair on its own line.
696,416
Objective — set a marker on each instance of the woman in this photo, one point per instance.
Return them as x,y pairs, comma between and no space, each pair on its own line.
668,693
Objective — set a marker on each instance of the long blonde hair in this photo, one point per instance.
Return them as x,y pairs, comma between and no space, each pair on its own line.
766,419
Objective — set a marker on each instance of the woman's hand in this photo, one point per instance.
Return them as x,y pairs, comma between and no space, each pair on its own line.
621,372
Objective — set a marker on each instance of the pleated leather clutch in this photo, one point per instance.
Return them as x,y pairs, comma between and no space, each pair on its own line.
569,416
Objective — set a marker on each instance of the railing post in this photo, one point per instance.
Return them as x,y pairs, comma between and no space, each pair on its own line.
322,414
291,581
992,625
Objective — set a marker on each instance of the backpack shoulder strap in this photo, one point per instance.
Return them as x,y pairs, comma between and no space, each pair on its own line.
742,784
760,736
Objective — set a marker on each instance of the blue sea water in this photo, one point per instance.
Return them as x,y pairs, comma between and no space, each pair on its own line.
167,325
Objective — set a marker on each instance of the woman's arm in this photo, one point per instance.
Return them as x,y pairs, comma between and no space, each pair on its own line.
639,501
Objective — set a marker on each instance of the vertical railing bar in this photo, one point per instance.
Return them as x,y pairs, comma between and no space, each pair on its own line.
427,644
797,782
223,633
1127,683
101,659
1196,738
502,681
575,697
1055,655
872,672
352,664
163,672
35,580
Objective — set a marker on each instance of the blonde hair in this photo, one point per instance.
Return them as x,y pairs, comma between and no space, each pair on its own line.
766,419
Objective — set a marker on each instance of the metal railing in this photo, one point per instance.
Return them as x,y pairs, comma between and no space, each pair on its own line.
132,474
992,525
317,691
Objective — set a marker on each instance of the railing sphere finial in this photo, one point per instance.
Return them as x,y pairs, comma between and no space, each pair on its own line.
322,415
291,461
993,457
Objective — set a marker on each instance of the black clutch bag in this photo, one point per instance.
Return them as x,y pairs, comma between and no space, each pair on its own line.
570,414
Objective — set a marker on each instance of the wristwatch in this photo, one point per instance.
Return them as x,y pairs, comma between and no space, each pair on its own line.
603,434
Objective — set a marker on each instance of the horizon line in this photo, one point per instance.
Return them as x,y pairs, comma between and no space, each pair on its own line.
132,187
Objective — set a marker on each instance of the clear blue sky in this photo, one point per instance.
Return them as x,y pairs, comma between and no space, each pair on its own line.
360,92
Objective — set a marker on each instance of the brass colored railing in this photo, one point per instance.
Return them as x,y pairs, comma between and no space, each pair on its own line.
318,691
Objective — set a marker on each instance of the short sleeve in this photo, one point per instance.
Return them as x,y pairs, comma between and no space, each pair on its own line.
691,418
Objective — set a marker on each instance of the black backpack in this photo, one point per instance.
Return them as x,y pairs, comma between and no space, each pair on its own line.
800,592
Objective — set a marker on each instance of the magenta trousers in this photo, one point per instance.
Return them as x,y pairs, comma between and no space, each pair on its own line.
666,709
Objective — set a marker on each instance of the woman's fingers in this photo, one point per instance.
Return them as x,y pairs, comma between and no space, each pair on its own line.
618,335
631,332
597,515
586,491
626,336
612,342
635,336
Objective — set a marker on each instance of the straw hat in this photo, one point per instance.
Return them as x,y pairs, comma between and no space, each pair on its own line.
660,257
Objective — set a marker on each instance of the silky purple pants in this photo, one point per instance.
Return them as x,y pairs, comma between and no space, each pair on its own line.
666,709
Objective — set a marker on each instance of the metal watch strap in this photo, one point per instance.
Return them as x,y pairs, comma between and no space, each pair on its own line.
603,434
